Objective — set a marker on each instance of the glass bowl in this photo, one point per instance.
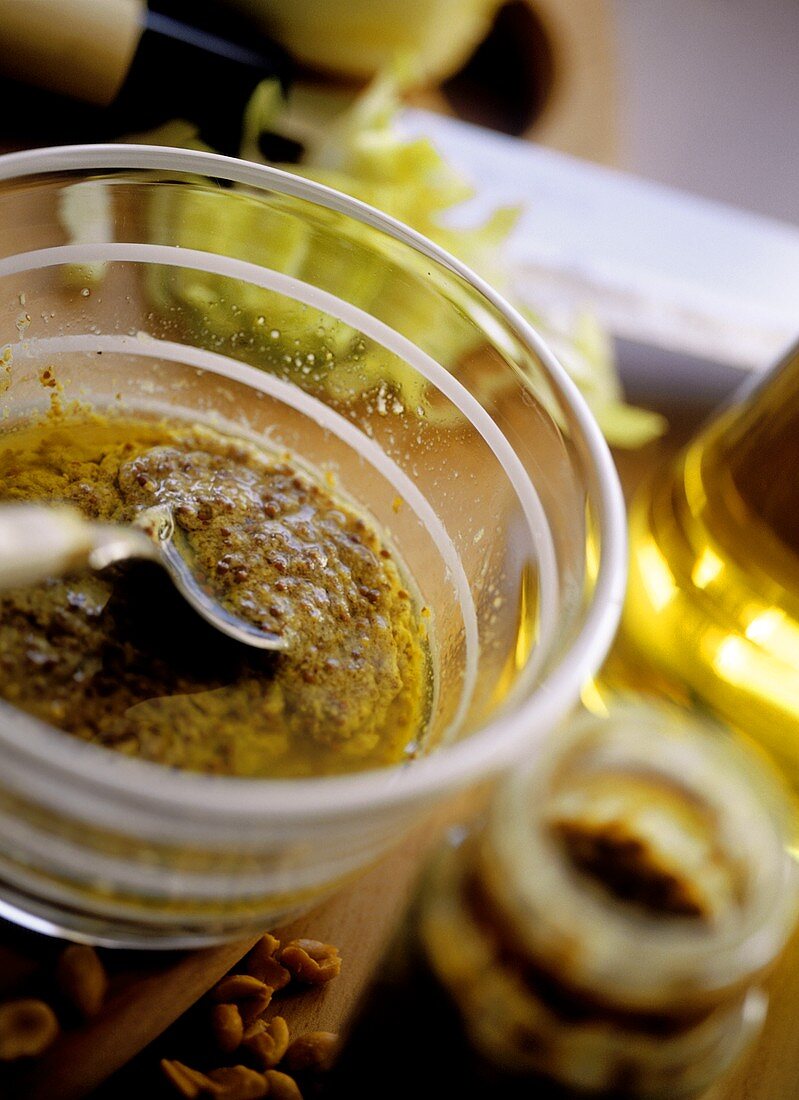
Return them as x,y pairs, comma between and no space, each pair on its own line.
160,280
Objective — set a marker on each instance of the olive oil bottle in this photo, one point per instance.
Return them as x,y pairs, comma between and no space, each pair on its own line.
712,611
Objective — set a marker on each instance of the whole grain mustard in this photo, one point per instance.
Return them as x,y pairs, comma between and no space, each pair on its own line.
116,658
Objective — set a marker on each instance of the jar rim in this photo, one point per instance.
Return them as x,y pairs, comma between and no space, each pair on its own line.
752,813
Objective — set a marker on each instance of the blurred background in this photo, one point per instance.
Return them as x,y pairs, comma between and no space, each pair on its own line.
698,94
710,89
607,103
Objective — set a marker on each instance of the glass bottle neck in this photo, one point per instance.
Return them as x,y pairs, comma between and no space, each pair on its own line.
757,446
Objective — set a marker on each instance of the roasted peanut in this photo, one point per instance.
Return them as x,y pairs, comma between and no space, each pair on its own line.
311,961
269,1044
273,974
27,1028
237,1083
257,1027
249,994
262,964
237,987
311,1052
281,1086
188,1082
227,1026
267,946
228,1083
82,979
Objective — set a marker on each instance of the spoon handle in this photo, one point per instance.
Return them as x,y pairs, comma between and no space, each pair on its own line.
38,541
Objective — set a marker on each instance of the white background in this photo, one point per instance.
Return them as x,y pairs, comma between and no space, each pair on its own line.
710,98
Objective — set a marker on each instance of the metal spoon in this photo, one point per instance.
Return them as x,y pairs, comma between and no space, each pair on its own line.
40,541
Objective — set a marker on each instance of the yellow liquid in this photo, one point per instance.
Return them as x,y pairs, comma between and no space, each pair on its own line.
711,618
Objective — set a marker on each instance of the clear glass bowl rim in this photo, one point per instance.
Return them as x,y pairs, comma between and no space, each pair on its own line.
139,784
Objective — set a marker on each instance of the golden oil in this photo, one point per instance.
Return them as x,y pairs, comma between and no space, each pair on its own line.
712,611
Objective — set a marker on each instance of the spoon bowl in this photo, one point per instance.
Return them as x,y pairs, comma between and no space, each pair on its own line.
40,541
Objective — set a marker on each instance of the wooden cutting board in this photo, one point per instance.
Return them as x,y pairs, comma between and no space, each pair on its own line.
150,990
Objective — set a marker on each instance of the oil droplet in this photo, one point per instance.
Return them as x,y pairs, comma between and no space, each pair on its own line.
5,370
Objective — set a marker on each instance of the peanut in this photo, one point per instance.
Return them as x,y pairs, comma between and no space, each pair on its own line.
82,979
281,1086
311,961
27,1028
237,1083
188,1082
270,1043
228,1083
227,1026
257,1027
249,994
313,1051
237,987
262,964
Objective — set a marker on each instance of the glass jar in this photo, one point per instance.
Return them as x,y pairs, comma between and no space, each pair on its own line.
602,930
164,281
